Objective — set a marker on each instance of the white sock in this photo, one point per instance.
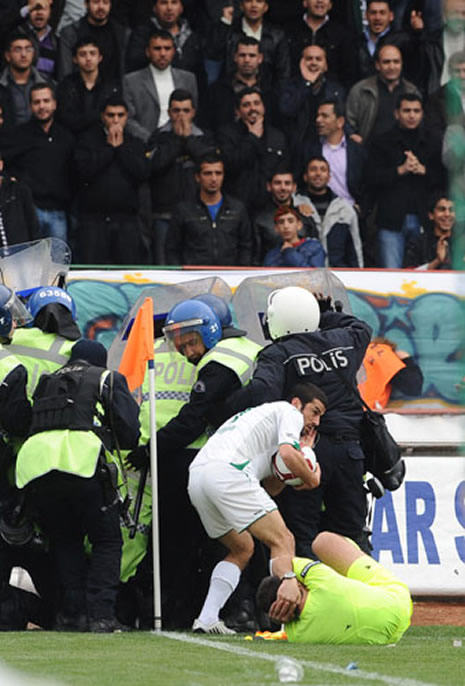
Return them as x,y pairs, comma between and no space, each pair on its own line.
223,583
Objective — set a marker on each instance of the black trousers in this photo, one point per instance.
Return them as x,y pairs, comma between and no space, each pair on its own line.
69,508
108,239
339,504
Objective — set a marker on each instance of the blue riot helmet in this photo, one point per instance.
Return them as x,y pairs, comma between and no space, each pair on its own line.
12,312
192,316
47,295
219,307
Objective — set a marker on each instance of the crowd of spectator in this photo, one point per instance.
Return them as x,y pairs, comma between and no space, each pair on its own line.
175,131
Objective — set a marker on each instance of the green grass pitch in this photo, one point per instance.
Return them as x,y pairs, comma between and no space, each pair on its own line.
424,657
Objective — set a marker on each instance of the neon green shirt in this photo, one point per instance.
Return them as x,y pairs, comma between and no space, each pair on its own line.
369,606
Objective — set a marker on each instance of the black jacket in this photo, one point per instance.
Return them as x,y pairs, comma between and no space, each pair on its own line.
112,65
399,195
194,239
322,357
18,212
43,161
340,45
223,38
77,107
109,177
415,47
188,53
250,161
298,105
172,163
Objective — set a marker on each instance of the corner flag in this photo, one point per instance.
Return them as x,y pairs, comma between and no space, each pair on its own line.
139,348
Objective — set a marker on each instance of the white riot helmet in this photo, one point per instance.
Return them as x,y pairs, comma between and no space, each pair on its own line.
292,310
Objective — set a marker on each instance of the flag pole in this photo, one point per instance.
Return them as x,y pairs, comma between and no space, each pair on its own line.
154,479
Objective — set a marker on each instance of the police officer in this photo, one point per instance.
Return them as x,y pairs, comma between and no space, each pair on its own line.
80,414
329,357
17,540
46,345
222,358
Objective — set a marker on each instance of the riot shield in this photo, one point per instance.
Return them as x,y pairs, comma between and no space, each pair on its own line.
164,297
250,298
26,266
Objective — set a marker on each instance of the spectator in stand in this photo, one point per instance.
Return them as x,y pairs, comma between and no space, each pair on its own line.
293,251
252,150
166,16
111,165
388,369
281,188
175,150
218,107
446,105
335,218
371,102
80,95
19,76
299,101
148,90
453,34
403,168
99,26
213,230
432,251
33,20
40,153
346,157
414,43
251,21
18,218
317,28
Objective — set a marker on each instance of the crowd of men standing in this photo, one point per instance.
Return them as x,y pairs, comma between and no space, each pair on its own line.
159,132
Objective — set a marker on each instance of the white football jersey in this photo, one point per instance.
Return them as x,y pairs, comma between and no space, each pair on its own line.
253,436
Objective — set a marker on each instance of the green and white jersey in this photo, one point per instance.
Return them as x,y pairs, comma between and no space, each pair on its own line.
368,607
253,436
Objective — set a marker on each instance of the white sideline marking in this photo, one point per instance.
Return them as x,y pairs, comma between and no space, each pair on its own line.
324,667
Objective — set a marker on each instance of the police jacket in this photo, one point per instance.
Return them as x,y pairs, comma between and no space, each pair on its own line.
222,370
336,350
15,409
77,411
39,352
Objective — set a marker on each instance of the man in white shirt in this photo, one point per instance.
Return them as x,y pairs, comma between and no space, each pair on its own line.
148,90
224,487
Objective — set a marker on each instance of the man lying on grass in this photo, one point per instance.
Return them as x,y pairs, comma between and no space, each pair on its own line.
345,597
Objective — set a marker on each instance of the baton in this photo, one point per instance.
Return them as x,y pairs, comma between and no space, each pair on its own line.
138,501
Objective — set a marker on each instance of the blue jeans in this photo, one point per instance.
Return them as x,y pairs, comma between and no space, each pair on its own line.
391,244
52,223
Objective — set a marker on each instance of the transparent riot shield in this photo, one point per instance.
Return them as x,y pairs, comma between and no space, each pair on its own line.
250,298
164,297
26,266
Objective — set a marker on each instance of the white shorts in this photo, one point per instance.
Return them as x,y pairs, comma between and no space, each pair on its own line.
227,498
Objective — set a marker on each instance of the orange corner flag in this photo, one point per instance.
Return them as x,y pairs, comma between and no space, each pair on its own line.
139,348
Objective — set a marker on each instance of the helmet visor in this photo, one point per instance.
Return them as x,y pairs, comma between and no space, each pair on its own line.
18,311
177,334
